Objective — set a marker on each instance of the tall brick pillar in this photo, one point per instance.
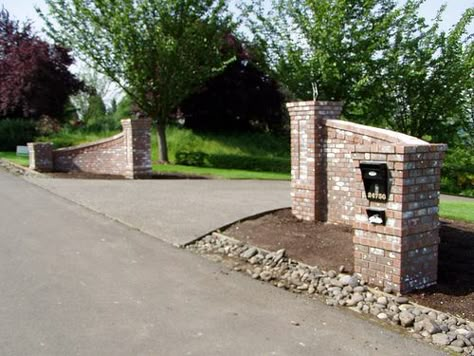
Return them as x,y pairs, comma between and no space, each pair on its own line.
137,135
41,156
308,180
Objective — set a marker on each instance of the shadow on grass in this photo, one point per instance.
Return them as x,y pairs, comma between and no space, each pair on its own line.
456,260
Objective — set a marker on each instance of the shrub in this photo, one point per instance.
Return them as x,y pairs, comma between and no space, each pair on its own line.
233,161
250,163
14,132
102,124
47,125
458,172
190,158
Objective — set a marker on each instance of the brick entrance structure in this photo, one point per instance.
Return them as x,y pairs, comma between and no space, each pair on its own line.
127,154
395,227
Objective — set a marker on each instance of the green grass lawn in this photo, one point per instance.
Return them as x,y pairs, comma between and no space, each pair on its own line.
457,210
67,137
12,157
219,172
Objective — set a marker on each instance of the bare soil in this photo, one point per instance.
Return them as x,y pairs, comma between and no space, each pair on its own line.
316,244
329,246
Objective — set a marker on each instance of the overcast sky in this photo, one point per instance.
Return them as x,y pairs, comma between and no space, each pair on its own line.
24,9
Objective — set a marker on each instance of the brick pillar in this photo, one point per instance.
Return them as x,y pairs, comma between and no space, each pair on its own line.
41,156
402,253
138,147
308,161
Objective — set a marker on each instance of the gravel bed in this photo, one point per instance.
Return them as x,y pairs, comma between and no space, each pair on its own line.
340,289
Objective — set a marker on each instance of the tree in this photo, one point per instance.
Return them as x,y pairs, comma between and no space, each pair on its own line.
389,67
95,109
425,89
323,48
241,98
96,84
158,51
35,76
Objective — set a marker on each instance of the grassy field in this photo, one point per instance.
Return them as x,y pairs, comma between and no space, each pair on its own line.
66,138
457,210
11,156
231,156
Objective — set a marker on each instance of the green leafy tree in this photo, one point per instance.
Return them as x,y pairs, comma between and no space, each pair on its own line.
157,51
389,67
96,84
95,109
124,109
323,48
425,89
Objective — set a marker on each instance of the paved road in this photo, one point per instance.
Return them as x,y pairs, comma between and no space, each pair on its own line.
152,205
74,282
446,197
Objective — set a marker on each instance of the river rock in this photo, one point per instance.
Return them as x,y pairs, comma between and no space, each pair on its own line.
459,350
458,343
442,339
431,326
382,316
249,253
266,276
401,300
406,318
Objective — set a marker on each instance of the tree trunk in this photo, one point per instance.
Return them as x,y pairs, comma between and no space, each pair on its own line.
162,144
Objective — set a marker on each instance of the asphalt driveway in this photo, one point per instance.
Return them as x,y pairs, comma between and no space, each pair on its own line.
74,282
176,211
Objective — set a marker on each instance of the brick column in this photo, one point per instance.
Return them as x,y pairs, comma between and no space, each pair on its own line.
308,161
403,253
41,156
137,135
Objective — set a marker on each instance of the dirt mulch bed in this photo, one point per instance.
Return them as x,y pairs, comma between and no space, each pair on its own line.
316,244
454,292
329,246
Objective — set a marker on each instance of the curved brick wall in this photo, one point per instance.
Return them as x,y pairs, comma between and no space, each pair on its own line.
101,157
127,154
327,185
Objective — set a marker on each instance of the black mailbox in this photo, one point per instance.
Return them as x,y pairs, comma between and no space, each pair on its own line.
375,177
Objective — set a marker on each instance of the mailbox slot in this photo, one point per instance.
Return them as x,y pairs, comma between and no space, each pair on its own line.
375,178
376,216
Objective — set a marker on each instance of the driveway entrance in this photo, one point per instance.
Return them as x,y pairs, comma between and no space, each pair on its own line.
176,211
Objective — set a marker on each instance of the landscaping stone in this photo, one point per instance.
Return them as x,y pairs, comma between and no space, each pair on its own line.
340,290
406,318
458,343
431,326
401,300
456,349
382,316
249,253
441,339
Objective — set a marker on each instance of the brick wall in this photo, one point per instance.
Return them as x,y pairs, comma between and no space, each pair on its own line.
327,185
127,154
